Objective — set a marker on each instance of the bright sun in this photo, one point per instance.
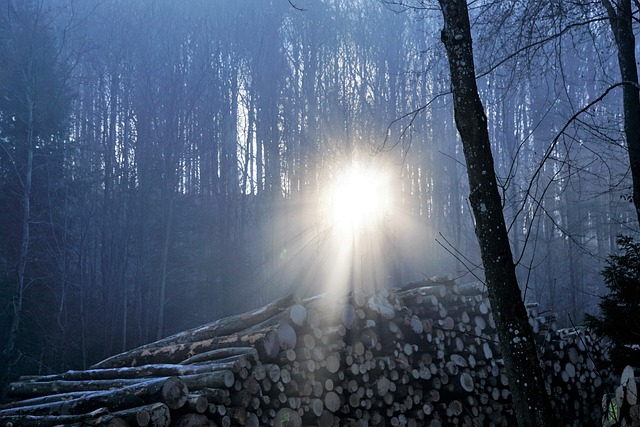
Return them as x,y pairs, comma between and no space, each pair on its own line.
356,210
358,198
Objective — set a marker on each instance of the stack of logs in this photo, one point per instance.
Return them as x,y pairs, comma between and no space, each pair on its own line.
622,408
424,355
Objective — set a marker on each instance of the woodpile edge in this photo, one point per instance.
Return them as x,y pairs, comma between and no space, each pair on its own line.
423,355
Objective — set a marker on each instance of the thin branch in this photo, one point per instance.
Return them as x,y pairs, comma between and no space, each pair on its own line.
529,191
298,8
412,114
458,255
537,43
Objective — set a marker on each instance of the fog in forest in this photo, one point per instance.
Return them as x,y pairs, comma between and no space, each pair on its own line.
188,160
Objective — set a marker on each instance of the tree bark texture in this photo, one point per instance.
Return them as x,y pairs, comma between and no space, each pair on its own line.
620,18
531,401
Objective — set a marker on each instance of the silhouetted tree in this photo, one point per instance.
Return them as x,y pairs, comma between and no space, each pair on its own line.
33,115
621,19
619,319
527,385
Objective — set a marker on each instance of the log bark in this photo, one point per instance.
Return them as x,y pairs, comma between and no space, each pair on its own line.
107,379
172,391
266,341
216,379
33,389
52,420
42,399
228,326
249,353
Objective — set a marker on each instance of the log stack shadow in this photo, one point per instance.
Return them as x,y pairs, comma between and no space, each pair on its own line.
424,355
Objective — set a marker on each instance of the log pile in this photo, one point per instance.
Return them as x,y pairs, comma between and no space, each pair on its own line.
622,408
424,355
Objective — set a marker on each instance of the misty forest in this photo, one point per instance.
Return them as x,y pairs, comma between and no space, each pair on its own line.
164,164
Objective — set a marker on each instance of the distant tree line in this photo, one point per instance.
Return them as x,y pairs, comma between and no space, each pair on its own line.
161,161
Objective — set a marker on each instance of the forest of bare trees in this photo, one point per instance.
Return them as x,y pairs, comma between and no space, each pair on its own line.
164,163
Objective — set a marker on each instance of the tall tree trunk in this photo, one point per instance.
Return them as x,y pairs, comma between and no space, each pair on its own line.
531,402
620,18
166,243
9,353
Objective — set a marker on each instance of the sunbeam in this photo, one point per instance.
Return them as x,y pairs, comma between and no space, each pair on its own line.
355,206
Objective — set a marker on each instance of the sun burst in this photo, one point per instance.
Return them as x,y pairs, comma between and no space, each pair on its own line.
358,199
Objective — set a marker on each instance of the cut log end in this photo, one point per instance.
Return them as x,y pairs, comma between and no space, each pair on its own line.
175,393
287,417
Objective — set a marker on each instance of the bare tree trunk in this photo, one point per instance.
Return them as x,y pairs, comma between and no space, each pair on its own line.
166,243
9,353
531,402
620,18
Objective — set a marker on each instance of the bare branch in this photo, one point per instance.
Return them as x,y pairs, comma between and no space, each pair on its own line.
458,255
538,43
298,8
412,117
529,191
